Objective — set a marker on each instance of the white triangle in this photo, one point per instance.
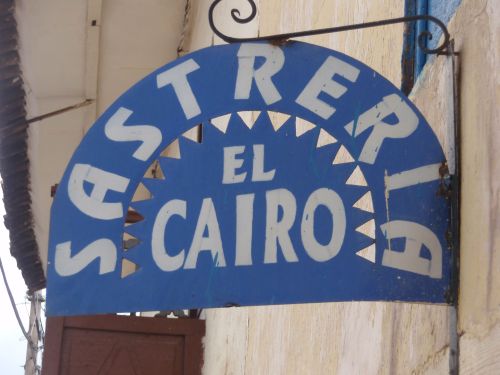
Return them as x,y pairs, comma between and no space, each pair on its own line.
192,134
368,253
221,122
368,228
302,126
343,156
173,150
325,139
349,127
157,172
129,242
356,178
141,193
277,119
249,117
365,203
128,268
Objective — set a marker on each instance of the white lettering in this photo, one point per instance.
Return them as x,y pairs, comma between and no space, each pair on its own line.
231,164
332,201
416,236
277,230
244,227
150,136
322,81
213,242
102,249
413,177
258,173
274,61
177,77
164,261
391,104
102,181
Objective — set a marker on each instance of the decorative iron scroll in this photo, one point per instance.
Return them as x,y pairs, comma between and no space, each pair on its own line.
422,37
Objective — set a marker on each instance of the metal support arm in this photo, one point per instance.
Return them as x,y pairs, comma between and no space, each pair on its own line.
280,38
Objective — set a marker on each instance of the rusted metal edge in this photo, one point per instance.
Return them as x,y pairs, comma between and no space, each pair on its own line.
454,359
14,161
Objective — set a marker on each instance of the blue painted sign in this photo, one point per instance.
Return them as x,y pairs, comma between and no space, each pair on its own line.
314,180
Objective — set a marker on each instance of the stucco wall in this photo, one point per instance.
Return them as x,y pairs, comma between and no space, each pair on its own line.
476,30
66,60
478,39
380,338
335,338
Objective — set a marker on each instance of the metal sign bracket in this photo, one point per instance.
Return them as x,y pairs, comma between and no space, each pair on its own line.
279,39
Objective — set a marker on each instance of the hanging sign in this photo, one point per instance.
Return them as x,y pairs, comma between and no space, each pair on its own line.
313,179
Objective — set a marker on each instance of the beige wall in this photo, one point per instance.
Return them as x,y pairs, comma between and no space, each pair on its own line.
387,338
476,30
478,40
67,60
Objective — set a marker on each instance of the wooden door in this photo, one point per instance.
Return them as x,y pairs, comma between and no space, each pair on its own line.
122,345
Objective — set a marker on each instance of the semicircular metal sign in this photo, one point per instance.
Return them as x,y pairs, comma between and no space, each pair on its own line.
314,180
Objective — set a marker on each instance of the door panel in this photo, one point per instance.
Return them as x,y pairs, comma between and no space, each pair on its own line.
110,344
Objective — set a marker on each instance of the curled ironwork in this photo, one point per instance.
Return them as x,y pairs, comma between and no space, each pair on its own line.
280,38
